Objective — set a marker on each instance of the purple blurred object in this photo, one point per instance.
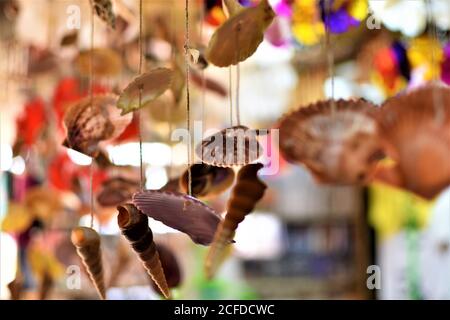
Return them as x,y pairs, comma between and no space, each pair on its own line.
278,33
445,65
181,212
283,9
340,21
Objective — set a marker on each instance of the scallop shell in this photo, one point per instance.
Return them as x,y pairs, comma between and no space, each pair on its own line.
239,37
103,9
88,124
415,128
153,84
180,212
235,146
106,62
207,181
339,148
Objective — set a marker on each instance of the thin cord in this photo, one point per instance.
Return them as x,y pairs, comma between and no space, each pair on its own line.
329,53
230,94
188,106
238,76
91,95
141,167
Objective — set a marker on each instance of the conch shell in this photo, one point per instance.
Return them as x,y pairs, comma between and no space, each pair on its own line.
87,242
415,128
103,8
246,193
239,37
207,181
235,146
88,124
134,226
338,147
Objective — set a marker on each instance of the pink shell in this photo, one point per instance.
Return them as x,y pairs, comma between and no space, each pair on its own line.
181,212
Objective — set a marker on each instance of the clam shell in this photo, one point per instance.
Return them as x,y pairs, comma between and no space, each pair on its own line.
207,181
235,146
239,37
180,212
153,83
88,124
415,128
339,148
106,62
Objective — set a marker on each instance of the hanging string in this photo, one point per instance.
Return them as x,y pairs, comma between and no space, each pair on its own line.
329,52
91,95
203,94
141,53
238,75
230,93
188,106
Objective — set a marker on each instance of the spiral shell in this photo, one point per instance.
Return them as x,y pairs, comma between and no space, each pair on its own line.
134,226
246,193
235,146
170,265
415,129
207,181
87,243
89,124
339,147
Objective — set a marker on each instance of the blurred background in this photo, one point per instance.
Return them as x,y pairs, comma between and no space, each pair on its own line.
304,240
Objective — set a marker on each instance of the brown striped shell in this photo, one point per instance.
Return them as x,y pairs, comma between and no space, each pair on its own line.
340,147
415,128
88,124
235,146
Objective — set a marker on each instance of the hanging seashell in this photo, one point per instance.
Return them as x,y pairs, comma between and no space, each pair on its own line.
153,84
104,10
239,37
170,265
116,191
88,124
134,226
339,147
235,146
415,128
180,212
106,62
87,243
15,288
207,181
246,193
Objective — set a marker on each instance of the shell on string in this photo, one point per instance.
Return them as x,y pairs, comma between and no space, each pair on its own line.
106,62
104,10
88,124
415,129
117,190
87,242
246,193
134,226
207,181
180,212
239,37
153,84
170,265
235,146
341,147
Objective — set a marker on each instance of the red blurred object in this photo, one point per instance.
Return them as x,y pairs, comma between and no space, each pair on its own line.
131,132
31,122
386,64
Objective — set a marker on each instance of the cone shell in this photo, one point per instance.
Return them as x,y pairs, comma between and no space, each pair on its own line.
87,243
153,84
415,127
88,124
239,37
106,62
246,193
180,212
134,226
170,265
103,9
343,147
235,146
116,191
207,181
